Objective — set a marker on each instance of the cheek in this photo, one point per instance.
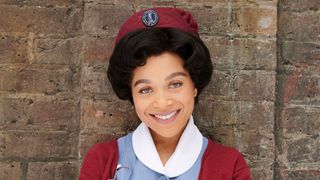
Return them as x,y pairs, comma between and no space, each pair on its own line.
187,95
140,106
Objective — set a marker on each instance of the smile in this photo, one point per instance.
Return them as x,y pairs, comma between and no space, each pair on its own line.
166,117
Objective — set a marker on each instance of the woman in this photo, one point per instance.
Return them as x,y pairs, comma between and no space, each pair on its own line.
161,65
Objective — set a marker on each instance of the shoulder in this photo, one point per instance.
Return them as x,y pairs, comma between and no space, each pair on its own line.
104,148
103,152
219,151
100,161
223,162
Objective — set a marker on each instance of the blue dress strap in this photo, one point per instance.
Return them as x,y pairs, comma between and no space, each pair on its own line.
126,155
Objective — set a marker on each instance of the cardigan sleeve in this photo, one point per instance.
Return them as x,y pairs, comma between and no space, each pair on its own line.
100,162
241,170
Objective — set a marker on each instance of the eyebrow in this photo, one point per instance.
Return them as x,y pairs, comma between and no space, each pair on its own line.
141,81
175,74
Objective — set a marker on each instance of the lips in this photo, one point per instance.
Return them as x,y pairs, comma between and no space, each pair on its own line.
166,117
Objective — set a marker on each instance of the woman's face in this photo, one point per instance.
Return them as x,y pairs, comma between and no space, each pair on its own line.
163,94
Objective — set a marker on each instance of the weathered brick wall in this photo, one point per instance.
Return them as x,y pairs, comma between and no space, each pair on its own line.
40,66
55,100
297,128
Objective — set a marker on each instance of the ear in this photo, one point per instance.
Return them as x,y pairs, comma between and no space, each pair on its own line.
195,92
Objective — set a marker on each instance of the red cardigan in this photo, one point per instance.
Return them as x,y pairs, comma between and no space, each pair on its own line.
218,163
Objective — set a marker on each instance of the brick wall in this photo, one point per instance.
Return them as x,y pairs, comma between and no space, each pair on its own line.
297,127
55,100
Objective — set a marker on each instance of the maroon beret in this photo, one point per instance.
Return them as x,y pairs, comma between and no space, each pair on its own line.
162,17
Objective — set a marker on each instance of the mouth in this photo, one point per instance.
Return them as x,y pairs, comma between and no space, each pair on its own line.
166,117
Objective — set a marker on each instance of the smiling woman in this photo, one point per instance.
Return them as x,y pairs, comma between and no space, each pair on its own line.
161,65
163,99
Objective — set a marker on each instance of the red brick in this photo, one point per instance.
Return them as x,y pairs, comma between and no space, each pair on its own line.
178,3
300,5
13,49
38,80
204,1
305,173
38,145
304,150
40,20
261,172
98,49
299,26
213,114
215,119
57,51
257,148
18,114
104,19
255,117
255,85
13,113
253,135
255,3
299,87
309,88
220,85
94,80
107,117
301,120
220,50
54,114
218,23
42,3
299,53
144,4
53,170
242,53
254,54
255,21
10,170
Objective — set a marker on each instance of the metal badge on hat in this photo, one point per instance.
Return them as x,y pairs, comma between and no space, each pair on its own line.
150,18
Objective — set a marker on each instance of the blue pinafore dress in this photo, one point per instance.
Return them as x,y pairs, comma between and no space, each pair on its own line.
131,168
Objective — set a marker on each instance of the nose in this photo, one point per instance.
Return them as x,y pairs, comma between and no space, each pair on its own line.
162,100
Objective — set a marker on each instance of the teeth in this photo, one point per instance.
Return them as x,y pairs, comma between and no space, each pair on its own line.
165,117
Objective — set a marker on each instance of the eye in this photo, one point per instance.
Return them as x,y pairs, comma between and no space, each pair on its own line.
175,85
145,90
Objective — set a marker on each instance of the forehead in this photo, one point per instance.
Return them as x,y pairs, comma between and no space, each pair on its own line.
160,65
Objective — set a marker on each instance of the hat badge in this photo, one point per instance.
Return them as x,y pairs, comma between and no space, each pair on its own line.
150,18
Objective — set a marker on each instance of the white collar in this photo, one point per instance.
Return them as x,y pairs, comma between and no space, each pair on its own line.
183,158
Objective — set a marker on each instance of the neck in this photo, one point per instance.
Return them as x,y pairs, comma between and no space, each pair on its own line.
165,145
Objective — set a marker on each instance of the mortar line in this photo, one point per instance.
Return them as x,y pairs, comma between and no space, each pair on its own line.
276,130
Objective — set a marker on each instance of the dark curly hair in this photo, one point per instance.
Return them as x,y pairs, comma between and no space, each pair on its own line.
134,48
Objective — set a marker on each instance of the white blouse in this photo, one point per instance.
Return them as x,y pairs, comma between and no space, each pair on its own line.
183,158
